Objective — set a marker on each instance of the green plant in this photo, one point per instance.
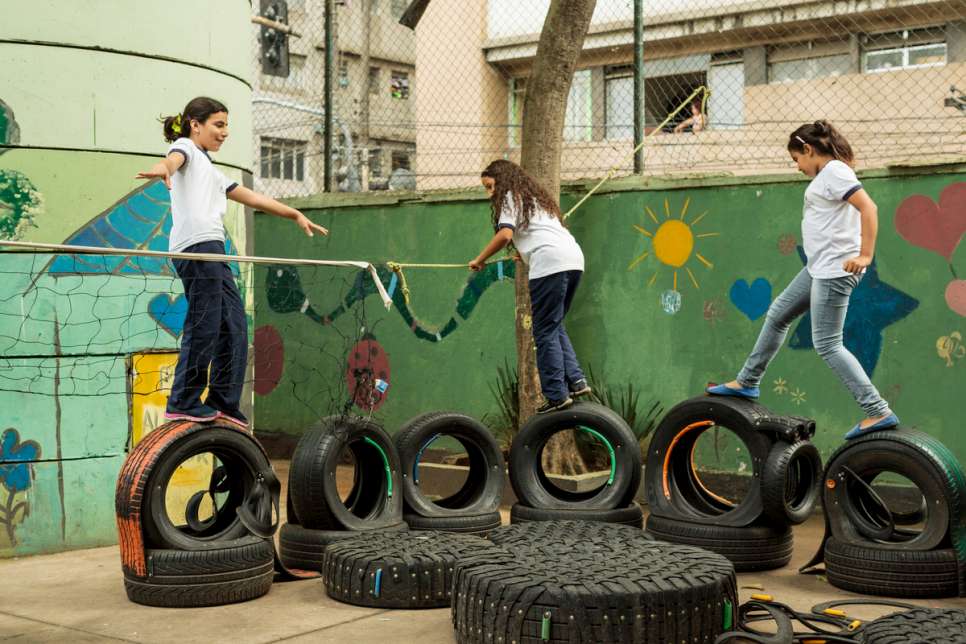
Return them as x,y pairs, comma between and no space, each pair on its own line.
505,389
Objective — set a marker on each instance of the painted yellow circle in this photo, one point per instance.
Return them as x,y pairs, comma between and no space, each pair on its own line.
673,242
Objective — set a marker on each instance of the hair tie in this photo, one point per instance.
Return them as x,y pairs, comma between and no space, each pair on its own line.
176,124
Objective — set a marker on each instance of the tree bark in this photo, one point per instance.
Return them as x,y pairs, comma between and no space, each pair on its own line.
544,109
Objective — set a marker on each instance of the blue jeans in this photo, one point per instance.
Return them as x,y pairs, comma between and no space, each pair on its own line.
550,299
215,335
828,300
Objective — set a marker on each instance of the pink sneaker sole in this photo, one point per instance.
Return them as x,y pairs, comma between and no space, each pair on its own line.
232,420
197,419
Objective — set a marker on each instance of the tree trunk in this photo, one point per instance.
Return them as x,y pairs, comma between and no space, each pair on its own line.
544,109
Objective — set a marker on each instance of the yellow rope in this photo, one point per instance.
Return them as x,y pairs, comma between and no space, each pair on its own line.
610,173
397,267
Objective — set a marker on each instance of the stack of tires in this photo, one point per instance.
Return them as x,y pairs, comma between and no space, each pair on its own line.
225,557
474,508
539,499
316,514
754,532
898,540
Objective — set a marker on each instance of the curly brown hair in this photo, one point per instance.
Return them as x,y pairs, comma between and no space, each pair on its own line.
526,193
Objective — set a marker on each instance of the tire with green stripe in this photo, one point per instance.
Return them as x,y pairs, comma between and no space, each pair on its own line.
531,483
856,517
396,569
375,500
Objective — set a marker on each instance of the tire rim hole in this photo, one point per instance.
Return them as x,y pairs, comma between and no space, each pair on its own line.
711,471
573,451
464,465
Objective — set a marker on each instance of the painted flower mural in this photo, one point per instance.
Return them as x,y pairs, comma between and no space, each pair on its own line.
16,475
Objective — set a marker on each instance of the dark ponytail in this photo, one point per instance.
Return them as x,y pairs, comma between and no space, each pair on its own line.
197,109
824,138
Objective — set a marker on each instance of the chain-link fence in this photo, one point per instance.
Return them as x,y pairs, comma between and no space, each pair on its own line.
428,108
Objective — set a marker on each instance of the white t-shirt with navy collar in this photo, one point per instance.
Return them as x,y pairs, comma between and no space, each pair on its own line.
545,245
198,198
831,226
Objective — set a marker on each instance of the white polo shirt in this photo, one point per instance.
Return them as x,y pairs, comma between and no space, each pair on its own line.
831,226
198,198
545,245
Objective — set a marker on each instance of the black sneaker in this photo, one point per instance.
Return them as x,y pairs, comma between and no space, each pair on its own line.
581,388
555,405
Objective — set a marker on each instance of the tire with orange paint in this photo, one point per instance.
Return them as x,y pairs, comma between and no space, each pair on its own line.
675,489
243,458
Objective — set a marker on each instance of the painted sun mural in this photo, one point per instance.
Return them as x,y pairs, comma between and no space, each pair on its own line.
674,243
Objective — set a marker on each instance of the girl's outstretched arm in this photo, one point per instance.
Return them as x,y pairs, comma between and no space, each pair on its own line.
259,201
164,168
502,237
869,214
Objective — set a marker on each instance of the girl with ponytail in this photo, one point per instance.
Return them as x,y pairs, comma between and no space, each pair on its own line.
215,335
839,225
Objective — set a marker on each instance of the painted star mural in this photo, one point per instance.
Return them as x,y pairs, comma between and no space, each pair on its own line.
874,305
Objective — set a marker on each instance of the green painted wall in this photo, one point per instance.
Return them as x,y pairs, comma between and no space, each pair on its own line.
746,229
81,87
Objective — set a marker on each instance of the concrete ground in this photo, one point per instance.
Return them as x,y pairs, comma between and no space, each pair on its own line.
79,596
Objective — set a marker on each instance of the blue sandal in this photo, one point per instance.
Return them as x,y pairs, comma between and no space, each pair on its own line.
889,422
751,393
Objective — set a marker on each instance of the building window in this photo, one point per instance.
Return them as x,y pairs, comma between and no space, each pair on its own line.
517,92
282,159
344,74
375,162
374,80
913,57
400,159
907,49
578,120
619,99
398,8
399,85
789,71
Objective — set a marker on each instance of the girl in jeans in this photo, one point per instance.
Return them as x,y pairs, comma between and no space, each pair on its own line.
215,332
526,214
839,223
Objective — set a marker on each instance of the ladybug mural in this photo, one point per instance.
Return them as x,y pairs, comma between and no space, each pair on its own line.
367,375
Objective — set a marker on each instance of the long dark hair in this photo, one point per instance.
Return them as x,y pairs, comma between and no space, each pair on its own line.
197,109
526,193
824,138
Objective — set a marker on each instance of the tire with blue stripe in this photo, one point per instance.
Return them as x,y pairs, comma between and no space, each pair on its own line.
482,491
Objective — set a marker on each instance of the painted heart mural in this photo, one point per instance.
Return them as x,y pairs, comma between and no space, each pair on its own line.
937,227
751,299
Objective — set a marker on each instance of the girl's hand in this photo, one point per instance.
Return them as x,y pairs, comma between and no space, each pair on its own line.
308,226
159,170
857,264
477,265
